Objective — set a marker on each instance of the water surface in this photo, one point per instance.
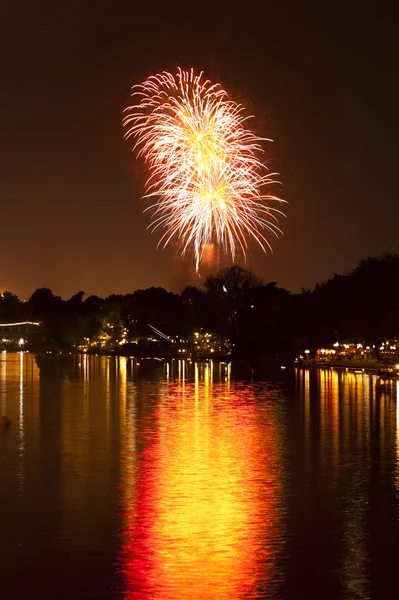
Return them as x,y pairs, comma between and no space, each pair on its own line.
122,480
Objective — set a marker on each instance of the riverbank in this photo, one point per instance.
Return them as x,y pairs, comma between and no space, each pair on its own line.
367,365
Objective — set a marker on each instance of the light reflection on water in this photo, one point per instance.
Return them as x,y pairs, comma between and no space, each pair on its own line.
125,479
203,512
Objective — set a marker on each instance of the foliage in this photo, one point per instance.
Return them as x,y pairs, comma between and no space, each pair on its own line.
260,319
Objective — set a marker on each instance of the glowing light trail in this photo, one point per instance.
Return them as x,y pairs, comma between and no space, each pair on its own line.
207,179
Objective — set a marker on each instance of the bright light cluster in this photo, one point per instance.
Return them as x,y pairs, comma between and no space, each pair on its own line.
207,179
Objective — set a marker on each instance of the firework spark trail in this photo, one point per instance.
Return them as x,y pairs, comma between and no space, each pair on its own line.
206,176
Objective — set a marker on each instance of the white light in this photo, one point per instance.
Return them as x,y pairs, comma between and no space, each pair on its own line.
19,323
21,341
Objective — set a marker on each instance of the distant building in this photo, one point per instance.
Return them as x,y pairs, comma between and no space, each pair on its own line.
20,334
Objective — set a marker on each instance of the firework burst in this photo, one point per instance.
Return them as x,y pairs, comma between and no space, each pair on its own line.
207,182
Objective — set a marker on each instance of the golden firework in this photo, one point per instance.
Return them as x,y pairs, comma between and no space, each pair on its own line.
207,179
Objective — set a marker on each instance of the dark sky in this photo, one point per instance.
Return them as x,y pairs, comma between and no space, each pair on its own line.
323,81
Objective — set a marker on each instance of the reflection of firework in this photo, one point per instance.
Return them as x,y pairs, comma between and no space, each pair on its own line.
206,176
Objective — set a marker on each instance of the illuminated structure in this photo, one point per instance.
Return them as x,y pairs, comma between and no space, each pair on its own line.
206,174
19,333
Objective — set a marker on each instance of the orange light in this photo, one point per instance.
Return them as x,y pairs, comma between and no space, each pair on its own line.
204,515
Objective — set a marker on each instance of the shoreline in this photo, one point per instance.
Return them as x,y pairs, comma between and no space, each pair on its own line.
367,365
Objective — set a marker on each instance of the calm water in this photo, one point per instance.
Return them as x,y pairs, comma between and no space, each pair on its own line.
121,480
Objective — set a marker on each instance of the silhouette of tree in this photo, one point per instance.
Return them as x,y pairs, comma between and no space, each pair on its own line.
194,305
43,302
260,319
10,306
76,299
230,294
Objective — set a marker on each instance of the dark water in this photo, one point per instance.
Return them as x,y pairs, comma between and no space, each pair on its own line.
127,481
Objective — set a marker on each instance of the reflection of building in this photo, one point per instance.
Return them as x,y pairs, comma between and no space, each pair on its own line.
19,333
19,400
346,420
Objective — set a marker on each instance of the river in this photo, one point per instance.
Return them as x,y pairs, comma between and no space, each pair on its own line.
143,480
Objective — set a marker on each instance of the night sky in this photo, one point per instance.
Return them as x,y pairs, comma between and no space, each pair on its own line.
323,83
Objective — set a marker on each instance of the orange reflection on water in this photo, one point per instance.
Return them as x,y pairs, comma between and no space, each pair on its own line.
205,521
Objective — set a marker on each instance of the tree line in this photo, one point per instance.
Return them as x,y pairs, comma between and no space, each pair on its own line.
259,319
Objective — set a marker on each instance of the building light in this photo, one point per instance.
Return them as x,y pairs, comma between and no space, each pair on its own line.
19,323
